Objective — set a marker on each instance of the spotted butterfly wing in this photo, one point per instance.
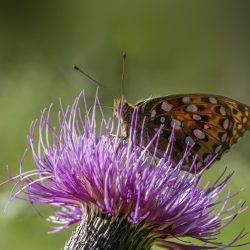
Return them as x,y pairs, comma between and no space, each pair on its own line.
214,123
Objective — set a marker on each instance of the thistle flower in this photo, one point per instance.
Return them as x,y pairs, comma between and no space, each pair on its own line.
122,197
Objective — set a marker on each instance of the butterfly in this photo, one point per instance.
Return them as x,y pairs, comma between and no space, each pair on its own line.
211,123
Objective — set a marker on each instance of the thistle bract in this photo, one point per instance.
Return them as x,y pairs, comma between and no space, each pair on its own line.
118,191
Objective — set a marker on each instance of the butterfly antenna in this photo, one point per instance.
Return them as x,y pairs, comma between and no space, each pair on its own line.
85,74
123,70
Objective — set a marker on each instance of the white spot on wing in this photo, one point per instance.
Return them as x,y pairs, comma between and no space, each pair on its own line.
191,108
176,124
226,124
162,119
199,134
224,137
186,99
153,114
206,126
217,149
222,110
244,120
208,157
166,106
189,140
213,100
239,126
197,117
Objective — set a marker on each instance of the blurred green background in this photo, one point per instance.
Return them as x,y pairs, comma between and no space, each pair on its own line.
172,47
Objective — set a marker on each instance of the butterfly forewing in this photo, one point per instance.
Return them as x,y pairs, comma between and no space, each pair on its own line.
212,122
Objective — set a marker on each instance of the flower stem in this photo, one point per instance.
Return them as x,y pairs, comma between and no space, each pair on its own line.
98,231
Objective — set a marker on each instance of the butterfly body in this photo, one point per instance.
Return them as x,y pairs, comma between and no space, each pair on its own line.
212,123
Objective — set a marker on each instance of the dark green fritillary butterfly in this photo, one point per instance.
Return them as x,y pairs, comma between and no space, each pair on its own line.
214,123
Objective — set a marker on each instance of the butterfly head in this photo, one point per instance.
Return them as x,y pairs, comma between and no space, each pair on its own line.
123,110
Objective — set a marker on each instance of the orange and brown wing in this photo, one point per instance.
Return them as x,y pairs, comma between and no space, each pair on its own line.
214,123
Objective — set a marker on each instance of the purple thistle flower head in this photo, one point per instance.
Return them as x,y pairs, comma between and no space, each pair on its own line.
89,174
